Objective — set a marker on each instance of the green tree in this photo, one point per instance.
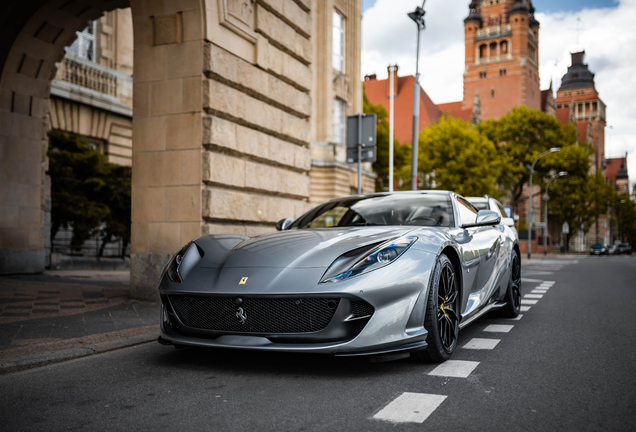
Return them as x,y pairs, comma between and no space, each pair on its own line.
381,165
78,178
624,212
460,158
117,197
521,135
579,198
88,192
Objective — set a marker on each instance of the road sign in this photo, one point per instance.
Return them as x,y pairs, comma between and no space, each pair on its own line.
368,154
368,138
508,210
565,229
361,139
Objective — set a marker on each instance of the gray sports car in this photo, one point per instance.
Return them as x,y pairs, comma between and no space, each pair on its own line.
386,274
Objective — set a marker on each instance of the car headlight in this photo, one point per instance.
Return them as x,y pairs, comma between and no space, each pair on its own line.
377,258
183,262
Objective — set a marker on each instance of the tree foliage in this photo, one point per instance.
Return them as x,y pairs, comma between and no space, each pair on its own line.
87,191
460,158
522,135
381,165
579,198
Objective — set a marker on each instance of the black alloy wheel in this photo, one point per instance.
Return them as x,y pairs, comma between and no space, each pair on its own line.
442,313
513,294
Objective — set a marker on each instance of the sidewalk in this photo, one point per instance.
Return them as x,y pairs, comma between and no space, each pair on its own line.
61,315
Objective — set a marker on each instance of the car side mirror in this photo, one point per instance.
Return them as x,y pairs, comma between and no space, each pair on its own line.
283,224
485,218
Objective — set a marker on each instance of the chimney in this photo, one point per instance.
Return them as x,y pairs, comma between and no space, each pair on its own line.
370,77
392,70
577,58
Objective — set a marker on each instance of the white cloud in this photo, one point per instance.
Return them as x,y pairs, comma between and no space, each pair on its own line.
608,37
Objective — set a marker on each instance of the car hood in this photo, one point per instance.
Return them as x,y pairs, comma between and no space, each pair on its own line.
292,249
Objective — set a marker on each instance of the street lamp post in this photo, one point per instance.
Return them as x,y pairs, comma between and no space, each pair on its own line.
418,17
530,216
545,229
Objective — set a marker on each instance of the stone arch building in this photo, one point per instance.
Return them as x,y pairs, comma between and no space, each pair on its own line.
222,117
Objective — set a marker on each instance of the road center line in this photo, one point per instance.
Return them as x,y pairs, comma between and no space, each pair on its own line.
479,344
498,328
410,408
524,308
529,302
454,368
538,291
533,296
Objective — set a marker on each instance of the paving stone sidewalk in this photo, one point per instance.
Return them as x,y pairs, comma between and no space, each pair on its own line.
61,310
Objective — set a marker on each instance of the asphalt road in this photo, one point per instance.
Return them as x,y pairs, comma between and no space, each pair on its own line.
569,364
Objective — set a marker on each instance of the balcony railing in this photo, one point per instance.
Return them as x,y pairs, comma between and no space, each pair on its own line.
87,76
493,30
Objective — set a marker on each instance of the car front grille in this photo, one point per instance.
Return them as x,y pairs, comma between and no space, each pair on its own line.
259,315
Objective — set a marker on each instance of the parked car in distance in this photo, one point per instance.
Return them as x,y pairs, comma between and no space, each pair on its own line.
489,203
624,248
612,250
598,249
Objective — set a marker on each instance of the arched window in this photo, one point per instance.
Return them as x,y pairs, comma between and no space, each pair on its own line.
493,49
483,51
503,47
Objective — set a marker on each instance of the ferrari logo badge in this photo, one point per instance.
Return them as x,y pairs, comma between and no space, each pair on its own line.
242,282
241,315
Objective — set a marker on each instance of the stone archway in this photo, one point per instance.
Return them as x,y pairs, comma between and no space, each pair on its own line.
221,127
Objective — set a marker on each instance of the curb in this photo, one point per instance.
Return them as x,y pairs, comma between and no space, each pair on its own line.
15,364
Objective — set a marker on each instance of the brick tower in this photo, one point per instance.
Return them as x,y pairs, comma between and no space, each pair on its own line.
578,102
502,56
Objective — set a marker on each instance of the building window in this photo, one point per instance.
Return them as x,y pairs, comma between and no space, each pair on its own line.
493,49
483,74
503,47
483,51
84,45
339,107
338,48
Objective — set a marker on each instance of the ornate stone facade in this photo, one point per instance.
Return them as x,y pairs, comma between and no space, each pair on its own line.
227,97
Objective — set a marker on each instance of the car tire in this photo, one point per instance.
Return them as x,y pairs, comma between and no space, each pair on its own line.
442,313
513,293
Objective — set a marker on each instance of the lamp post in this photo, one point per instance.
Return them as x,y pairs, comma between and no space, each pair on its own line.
530,216
418,17
545,229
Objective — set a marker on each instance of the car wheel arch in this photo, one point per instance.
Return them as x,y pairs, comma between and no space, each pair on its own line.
453,256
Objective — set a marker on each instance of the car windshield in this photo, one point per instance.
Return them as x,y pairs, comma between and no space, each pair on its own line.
417,209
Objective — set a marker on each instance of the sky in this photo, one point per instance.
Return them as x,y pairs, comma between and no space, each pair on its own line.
607,33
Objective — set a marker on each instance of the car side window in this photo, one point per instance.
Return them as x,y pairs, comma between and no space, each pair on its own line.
496,206
467,213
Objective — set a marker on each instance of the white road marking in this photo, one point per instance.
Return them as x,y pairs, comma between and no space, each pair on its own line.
538,291
410,408
517,318
531,280
524,308
547,283
529,302
498,328
478,343
533,296
454,368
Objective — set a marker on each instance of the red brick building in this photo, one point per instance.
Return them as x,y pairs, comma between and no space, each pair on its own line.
501,72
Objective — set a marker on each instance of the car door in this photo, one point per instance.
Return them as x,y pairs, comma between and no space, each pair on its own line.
485,241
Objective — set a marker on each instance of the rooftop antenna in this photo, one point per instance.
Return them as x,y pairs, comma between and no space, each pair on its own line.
579,29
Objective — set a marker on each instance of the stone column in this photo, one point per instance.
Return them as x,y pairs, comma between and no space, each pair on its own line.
220,124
